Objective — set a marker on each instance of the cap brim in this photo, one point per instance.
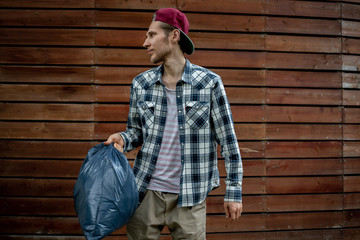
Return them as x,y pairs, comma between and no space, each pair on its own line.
188,45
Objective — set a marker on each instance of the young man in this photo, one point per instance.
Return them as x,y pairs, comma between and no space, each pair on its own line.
179,113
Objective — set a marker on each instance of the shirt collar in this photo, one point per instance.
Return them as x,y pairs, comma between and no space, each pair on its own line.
186,76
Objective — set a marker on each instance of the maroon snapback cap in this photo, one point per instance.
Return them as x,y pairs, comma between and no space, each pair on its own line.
176,19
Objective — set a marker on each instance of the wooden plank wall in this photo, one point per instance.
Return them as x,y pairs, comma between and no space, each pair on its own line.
291,71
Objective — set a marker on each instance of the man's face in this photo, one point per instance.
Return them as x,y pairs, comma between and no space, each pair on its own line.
157,43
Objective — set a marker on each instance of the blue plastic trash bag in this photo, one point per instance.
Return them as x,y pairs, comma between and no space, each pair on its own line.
105,192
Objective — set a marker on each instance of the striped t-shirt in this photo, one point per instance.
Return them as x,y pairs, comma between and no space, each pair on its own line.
166,176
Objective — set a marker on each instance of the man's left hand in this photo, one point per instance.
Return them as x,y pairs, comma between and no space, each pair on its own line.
233,210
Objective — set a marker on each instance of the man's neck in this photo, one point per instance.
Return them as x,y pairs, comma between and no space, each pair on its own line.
173,70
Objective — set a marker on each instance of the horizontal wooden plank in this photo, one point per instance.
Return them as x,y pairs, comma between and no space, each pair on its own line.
135,4
351,98
47,112
303,8
117,75
350,11
33,187
40,225
312,220
290,203
112,94
245,223
48,74
245,95
351,149
241,77
232,6
303,114
305,234
351,201
111,112
316,167
351,80
310,149
45,149
123,19
14,206
48,4
292,185
303,79
351,45
47,130
303,26
350,62
49,18
351,115
121,56
252,149
119,38
351,184
352,166
246,113
61,37
352,218
44,55
350,28
286,96
234,59
306,61
47,93
302,44
351,132
40,168
304,132
228,41
349,234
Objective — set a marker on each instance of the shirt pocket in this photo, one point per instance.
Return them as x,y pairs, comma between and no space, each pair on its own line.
147,113
197,114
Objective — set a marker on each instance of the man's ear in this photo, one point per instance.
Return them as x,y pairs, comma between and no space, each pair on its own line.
175,35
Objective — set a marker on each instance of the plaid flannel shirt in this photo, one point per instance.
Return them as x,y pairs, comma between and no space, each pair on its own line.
204,119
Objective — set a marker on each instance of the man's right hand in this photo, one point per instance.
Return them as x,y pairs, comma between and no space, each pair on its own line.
117,140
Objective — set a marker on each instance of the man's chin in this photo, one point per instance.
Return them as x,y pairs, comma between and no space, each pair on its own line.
155,60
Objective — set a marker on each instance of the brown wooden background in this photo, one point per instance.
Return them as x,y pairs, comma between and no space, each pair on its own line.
292,74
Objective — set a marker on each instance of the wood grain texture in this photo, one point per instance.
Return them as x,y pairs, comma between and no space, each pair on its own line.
291,73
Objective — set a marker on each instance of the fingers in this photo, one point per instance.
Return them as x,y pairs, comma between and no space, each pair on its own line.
109,140
233,210
119,147
227,213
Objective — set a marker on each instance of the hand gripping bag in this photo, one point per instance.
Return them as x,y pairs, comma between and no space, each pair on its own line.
105,192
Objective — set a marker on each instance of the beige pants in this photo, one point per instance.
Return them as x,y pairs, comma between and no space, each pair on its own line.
160,209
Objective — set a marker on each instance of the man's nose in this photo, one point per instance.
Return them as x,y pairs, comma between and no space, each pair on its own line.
146,43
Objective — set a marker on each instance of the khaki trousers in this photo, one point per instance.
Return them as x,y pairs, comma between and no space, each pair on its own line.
160,209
